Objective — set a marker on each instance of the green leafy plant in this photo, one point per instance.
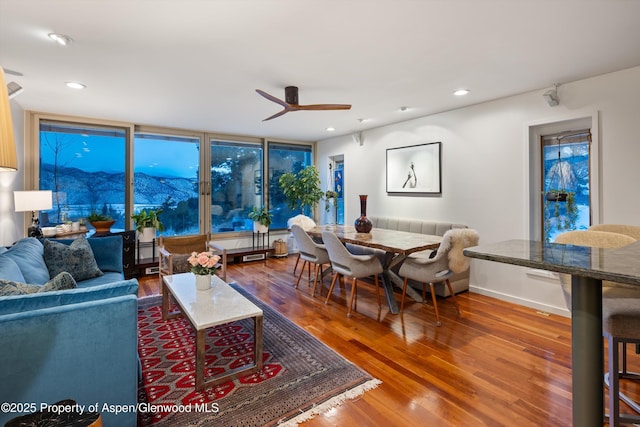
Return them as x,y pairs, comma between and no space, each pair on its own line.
95,216
329,196
261,216
148,218
302,189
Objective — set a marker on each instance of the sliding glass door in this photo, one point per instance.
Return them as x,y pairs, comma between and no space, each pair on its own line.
166,176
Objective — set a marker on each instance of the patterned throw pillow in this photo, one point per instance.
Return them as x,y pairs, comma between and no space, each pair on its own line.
76,259
61,282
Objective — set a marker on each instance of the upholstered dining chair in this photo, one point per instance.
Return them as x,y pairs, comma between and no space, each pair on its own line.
311,253
427,267
620,319
306,223
344,263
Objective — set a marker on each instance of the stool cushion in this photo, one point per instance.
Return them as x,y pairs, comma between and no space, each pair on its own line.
621,318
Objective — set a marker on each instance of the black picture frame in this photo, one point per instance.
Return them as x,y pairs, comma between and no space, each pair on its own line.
415,169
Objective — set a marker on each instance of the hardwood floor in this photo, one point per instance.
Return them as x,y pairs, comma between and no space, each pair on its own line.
498,364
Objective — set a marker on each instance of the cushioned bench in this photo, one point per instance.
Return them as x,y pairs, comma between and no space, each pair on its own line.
459,282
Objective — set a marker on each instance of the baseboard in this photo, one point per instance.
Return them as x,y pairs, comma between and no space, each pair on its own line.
564,312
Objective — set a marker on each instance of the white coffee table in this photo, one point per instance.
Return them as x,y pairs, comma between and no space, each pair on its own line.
205,309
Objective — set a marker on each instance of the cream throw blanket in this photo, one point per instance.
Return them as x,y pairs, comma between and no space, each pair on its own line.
459,238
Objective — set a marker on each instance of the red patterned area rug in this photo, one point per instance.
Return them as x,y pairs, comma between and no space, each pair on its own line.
301,377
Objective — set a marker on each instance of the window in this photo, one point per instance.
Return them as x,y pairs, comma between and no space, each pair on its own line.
236,184
166,176
576,139
284,158
566,172
84,166
202,182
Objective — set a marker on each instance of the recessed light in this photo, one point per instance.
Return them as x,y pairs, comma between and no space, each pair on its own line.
75,85
330,129
461,92
60,38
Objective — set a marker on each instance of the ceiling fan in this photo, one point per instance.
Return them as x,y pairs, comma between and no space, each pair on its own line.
291,103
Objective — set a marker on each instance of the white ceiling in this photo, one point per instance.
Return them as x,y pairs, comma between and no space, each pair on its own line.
195,64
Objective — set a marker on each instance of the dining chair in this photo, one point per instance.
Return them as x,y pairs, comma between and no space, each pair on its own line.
620,319
306,223
311,253
438,266
344,263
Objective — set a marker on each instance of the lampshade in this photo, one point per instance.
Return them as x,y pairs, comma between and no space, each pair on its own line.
8,158
32,200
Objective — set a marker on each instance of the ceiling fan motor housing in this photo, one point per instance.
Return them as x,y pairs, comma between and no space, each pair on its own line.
291,95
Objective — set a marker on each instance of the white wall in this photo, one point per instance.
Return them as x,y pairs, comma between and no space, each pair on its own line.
485,166
12,223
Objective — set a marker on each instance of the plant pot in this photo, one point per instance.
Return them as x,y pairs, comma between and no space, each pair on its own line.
103,227
259,228
203,282
148,234
555,196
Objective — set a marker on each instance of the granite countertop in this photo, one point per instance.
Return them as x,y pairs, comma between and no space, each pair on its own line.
619,265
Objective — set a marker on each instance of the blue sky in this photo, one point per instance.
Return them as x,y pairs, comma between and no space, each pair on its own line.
107,154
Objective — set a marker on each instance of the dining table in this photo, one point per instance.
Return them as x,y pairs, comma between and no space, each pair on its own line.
588,267
395,244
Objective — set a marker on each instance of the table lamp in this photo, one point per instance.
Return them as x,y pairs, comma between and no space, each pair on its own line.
33,201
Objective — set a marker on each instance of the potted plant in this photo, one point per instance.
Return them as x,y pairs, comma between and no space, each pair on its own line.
101,222
147,222
302,189
261,219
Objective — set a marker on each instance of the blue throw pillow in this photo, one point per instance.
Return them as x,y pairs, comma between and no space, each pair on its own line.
28,254
61,282
108,252
10,270
76,259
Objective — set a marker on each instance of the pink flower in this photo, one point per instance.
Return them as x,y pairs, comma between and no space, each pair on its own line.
213,260
203,262
193,259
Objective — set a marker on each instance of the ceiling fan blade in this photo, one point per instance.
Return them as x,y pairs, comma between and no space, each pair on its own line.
278,114
272,98
291,103
324,107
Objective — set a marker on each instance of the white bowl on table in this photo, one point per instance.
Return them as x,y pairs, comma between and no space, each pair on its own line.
48,231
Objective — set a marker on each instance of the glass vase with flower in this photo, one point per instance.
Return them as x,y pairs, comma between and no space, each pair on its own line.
203,265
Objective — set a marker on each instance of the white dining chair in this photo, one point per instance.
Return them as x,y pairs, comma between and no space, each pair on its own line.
439,266
311,253
347,264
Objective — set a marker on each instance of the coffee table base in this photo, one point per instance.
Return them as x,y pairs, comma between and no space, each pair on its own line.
202,382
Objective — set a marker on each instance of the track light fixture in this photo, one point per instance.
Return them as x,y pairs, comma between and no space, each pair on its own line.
357,138
552,96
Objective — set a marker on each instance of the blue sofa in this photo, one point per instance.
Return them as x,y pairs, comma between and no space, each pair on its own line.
78,344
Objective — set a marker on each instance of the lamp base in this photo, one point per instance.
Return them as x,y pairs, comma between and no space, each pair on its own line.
34,231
